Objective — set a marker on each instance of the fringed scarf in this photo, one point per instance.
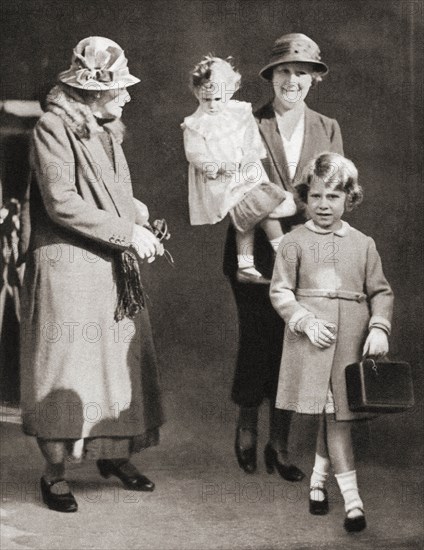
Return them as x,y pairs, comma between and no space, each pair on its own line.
130,290
70,107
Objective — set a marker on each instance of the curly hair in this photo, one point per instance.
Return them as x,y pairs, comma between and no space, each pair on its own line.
332,168
316,79
213,71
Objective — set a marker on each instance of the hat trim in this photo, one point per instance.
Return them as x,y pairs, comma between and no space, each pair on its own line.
96,69
72,79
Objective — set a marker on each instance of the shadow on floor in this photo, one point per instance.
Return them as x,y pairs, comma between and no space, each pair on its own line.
202,499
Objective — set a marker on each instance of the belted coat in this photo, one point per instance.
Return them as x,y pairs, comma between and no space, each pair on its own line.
336,276
83,375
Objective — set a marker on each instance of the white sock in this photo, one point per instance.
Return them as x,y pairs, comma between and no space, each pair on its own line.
275,242
319,477
349,489
322,464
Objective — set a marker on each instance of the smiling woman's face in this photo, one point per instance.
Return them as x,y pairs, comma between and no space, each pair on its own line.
291,82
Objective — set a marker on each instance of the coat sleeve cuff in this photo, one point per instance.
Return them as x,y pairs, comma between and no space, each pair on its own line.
377,321
123,238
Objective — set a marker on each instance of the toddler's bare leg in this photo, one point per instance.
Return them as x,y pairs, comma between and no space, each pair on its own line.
247,273
272,228
245,243
273,231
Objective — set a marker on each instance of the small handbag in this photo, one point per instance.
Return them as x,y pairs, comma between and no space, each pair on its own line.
379,386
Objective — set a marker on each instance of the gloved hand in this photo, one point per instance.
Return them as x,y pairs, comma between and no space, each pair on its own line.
142,212
377,343
321,333
145,244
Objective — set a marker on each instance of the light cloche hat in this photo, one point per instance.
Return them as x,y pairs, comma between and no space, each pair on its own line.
98,63
294,48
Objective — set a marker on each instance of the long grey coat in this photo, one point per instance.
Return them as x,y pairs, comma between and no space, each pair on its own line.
82,374
336,276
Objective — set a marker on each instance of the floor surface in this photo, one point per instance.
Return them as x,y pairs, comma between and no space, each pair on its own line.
203,500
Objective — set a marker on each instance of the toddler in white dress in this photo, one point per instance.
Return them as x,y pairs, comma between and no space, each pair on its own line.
223,147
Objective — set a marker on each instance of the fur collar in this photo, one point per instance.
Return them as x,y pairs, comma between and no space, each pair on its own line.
78,116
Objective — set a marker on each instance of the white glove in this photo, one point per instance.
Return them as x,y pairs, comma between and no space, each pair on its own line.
142,212
321,333
377,343
145,244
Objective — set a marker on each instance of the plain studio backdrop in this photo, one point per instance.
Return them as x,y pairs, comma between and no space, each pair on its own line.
374,90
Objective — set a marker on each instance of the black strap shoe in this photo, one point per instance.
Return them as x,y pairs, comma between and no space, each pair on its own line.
127,473
318,507
289,472
246,457
57,495
355,524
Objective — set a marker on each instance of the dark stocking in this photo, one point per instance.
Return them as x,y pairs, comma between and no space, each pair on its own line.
55,454
279,429
248,425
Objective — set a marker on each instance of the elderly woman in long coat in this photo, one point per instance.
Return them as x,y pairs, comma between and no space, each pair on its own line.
90,384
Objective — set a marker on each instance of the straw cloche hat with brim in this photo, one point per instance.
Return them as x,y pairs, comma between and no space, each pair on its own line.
98,64
294,48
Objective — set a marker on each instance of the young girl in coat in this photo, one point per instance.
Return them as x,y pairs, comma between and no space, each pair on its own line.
329,287
223,147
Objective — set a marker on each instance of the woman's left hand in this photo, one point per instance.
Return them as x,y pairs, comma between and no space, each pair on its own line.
145,244
377,343
142,212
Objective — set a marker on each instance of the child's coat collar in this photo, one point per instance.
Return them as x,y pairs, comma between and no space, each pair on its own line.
341,232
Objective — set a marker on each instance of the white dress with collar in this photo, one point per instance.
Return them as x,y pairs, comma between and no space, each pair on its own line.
221,142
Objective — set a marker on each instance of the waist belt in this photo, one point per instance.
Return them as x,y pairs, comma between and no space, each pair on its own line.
332,294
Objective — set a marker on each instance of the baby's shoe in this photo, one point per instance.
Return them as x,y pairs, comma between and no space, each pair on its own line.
251,275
